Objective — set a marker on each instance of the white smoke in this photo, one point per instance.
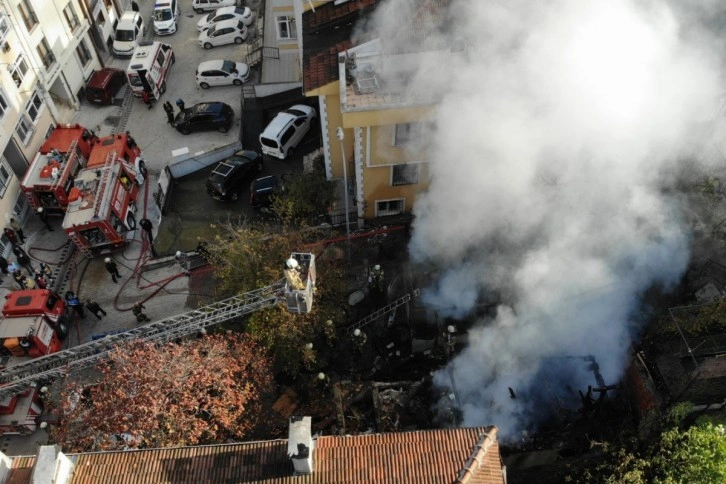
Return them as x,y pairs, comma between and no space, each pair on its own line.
549,157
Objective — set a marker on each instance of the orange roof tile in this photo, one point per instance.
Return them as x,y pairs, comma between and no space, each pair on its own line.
427,456
321,68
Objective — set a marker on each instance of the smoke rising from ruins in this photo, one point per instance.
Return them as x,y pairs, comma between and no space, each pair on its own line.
553,139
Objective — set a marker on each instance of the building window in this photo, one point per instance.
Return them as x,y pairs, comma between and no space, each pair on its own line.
19,70
26,11
4,25
34,105
24,129
405,133
3,104
71,17
406,174
286,28
84,55
5,175
389,207
101,19
46,55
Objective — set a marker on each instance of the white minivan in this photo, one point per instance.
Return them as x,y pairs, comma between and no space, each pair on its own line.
201,6
166,16
286,130
129,31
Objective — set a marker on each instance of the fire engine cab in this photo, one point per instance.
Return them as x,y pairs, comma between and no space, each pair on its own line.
34,323
101,206
124,147
19,413
50,175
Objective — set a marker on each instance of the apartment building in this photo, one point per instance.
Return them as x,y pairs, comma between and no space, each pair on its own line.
46,54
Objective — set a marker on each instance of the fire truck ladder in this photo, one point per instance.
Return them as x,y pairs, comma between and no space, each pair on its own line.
80,244
384,310
105,178
17,378
67,158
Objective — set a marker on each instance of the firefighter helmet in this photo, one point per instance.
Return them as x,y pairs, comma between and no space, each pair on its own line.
107,260
291,263
377,267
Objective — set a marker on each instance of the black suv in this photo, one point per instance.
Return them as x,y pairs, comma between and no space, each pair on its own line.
203,117
264,189
226,180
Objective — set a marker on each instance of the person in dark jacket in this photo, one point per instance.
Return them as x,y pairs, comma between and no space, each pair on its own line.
140,316
40,280
74,303
11,236
19,278
18,229
24,261
134,6
43,215
112,268
95,308
4,265
169,113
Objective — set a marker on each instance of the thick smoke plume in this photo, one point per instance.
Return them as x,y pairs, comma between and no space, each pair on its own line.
549,154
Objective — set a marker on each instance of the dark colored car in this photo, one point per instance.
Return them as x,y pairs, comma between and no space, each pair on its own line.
204,117
104,84
226,180
264,189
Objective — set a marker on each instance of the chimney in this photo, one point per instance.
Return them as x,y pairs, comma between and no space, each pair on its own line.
300,445
51,466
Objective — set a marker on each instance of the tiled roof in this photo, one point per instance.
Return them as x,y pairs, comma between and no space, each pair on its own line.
321,68
428,456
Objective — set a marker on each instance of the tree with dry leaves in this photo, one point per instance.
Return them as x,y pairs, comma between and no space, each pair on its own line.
199,391
249,257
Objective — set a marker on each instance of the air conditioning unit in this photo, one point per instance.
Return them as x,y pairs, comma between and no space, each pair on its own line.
5,46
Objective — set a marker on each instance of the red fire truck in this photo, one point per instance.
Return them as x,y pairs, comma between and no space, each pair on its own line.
34,323
19,413
125,148
50,175
101,206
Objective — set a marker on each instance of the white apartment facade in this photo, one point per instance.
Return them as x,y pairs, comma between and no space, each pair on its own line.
46,54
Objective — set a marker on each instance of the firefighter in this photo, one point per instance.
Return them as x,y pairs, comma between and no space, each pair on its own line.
19,278
292,274
329,330
375,278
112,268
47,273
181,259
140,316
43,215
359,340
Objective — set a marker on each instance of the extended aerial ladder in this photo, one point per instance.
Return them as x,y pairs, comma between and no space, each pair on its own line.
17,378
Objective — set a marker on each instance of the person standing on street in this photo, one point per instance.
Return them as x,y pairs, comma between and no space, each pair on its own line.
169,112
112,268
134,6
75,304
44,218
18,229
11,236
24,260
19,278
146,98
95,308
140,316
4,265
40,280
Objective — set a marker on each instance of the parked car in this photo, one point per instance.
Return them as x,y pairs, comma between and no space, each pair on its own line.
286,130
166,16
226,13
226,180
201,6
103,85
204,117
263,190
222,73
129,31
224,32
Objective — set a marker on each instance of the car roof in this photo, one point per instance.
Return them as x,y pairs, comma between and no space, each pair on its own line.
211,64
277,124
128,15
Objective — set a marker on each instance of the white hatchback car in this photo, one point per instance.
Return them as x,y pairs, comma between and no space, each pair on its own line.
226,13
222,73
286,131
224,32
201,6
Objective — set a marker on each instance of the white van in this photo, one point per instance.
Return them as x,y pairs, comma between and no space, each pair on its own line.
166,16
201,6
149,67
286,130
129,31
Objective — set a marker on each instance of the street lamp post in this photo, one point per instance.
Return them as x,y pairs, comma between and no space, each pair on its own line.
339,133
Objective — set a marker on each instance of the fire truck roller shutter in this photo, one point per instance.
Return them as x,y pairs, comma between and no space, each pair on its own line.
62,327
131,220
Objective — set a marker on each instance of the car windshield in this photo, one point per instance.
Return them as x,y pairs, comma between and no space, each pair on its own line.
162,15
134,80
228,66
124,35
296,112
270,143
211,30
